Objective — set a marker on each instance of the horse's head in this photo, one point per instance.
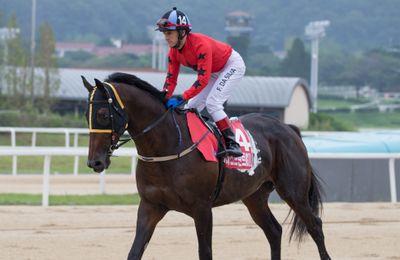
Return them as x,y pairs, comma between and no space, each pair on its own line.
107,121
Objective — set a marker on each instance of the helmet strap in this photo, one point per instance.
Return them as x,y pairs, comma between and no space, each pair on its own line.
180,38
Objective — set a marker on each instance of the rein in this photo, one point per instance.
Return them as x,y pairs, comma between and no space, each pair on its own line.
175,156
115,132
144,131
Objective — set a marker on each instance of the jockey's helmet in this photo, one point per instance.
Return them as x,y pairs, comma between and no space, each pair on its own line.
174,20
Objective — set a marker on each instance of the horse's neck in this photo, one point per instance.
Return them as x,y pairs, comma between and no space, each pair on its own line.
166,138
163,138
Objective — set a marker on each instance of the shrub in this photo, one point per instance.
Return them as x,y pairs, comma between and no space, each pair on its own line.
36,119
324,122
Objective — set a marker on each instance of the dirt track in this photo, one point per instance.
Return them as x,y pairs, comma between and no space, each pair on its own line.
353,231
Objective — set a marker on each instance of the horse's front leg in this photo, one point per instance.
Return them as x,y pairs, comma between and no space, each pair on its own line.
148,217
204,223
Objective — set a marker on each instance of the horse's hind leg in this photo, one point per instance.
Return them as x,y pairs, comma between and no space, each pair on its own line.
148,217
257,204
313,225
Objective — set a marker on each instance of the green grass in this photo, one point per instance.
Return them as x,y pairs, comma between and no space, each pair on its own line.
60,165
69,200
42,139
370,119
337,103
355,120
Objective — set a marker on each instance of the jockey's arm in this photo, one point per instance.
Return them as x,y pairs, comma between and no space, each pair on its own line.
204,66
172,74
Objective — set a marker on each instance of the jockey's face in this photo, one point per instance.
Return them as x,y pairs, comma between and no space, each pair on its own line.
171,37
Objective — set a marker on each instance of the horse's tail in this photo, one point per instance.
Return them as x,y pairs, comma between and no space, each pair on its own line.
315,192
298,229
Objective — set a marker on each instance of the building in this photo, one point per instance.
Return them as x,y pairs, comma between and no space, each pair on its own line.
103,51
285,98
64,47
237,26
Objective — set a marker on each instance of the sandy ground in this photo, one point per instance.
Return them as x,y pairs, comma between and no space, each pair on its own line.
68,184
352,231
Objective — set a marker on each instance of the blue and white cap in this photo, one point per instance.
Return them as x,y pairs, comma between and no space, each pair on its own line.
174,20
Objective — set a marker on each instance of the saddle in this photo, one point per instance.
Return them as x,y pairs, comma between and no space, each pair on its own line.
210,124
212,147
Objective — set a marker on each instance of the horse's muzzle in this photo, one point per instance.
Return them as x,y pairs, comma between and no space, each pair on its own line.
97,165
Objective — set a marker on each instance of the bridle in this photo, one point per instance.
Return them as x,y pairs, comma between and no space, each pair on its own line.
117,109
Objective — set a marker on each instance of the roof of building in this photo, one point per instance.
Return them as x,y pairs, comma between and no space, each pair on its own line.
74,46
253,91
267,92
238,13
137,49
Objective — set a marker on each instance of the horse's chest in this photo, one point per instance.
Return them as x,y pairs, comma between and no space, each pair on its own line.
156,191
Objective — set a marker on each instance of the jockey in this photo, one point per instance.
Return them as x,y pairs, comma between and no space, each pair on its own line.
219,69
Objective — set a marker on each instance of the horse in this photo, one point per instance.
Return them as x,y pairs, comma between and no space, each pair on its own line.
186,183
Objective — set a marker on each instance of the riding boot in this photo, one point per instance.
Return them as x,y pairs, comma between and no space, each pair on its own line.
232,148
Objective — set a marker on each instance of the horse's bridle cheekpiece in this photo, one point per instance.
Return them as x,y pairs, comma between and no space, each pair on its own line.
104,96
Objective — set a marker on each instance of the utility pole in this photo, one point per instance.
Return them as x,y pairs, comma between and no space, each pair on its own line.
159,50
315,31
33,30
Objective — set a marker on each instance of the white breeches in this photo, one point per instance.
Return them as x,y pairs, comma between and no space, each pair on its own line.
219,88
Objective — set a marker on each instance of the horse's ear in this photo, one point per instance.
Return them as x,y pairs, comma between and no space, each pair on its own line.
99,84
87,85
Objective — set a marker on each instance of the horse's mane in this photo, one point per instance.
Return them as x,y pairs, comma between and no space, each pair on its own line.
132,80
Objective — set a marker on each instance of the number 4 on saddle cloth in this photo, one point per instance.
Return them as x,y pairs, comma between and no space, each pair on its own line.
209,147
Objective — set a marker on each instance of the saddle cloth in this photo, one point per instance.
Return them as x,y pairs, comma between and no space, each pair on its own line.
208,147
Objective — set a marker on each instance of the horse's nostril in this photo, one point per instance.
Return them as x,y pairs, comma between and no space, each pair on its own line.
94,164
97,163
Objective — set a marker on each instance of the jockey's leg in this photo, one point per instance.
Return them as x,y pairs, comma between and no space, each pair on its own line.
231,146
199,101
225,84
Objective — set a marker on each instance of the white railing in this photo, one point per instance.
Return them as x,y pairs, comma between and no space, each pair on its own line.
48,152
44,130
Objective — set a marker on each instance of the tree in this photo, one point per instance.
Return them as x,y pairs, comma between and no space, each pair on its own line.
16,73
240,44
376,68
297,61
262,61
2,48
46,59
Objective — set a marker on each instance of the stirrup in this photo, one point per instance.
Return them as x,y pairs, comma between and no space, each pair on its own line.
225,152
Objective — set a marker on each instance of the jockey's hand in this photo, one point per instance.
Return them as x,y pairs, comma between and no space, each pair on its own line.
164,95
175,101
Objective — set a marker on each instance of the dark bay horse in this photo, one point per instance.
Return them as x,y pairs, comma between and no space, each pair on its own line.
186,184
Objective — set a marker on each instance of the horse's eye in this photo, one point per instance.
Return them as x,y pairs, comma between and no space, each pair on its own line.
103,117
